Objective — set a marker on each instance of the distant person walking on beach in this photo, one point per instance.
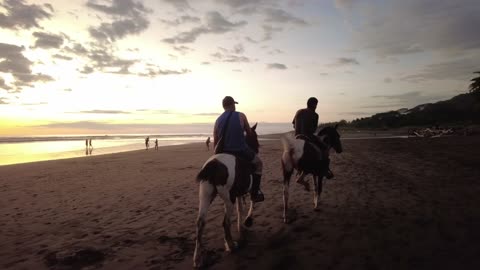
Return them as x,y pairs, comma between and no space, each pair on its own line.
156,144
90,143
305,123
147,143
208,143
86,143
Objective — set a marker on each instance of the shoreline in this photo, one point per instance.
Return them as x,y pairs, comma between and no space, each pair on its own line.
266,137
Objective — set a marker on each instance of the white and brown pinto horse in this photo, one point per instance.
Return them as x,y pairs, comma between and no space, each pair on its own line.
306,157
229,177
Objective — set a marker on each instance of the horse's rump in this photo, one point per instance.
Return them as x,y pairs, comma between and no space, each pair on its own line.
218,169
215,172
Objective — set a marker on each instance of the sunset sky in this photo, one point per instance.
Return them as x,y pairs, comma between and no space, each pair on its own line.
89,66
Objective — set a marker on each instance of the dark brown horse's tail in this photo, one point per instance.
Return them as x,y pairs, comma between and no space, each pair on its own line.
212,170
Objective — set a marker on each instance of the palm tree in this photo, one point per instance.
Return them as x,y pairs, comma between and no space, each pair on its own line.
475,85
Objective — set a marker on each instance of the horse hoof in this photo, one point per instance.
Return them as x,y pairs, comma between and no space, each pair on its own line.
248,222
198,262
231,248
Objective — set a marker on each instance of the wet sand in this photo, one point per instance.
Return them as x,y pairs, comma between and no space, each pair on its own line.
393,204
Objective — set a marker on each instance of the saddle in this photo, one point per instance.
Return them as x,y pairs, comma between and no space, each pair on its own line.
243,176
311,140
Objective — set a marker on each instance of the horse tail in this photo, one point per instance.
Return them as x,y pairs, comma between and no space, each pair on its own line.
214,172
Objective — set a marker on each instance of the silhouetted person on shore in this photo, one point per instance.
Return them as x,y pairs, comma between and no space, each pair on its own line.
208,144
147,143
90,143
156,144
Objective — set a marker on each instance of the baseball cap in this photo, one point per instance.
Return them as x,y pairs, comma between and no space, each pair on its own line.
228,100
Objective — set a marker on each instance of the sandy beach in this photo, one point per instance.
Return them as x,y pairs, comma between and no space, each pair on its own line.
393,204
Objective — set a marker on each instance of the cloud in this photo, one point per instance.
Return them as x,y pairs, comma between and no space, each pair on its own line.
411,98
387,80
101,57
344,61
119,29
47,40
404,27
130,18
62,57
269,30
180,5
275,15
182,20
231,56
34,104
276,66
405,96
457,69
381,106
153,72
355,113
2,100
105,112
241,3
183,49
128,8
14,62
215,23
207,114
3,85
22,16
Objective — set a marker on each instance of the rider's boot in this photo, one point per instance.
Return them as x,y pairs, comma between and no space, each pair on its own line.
256,195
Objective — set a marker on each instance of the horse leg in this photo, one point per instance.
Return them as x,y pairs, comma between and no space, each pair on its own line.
286,184
249,219
206,196
240,213
229,244
318,190
287,168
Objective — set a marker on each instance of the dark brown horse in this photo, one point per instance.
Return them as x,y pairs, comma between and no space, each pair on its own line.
306,157
230,178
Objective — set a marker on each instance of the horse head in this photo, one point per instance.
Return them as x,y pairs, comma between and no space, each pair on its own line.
331,137
252,139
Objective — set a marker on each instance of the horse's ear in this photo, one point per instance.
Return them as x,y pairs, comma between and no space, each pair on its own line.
336,126
254,127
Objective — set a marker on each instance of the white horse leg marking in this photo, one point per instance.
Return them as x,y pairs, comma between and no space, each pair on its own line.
249,219
206,193
240,214
225,195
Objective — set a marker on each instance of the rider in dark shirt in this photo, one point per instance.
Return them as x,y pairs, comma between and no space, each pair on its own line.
305,123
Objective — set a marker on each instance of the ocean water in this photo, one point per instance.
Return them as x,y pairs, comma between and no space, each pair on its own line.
15,150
